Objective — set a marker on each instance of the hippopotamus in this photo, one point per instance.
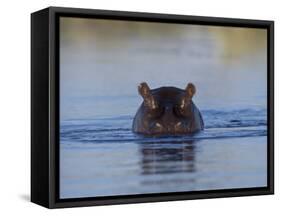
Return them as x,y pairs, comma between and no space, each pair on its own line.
167,111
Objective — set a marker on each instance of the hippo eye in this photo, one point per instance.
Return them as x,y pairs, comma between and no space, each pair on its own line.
156,113
184,103
177,110
182,111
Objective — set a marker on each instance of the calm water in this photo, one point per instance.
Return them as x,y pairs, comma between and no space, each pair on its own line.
101,64
101,156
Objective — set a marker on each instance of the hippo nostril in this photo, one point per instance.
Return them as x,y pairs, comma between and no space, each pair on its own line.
158,125
178,124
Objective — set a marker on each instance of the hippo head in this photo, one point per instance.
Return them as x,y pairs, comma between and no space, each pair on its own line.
167,110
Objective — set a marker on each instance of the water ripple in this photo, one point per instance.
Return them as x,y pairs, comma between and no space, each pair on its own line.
218,125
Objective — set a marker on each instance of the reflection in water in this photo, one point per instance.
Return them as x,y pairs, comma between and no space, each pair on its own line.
239,43
167,158
116,35
106,60
98,39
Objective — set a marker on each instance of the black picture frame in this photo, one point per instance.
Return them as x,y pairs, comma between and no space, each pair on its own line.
45,106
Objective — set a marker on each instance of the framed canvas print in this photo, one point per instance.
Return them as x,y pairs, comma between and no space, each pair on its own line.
139,107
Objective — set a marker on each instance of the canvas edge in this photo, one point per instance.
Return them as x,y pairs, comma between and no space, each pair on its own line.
39,108
53,202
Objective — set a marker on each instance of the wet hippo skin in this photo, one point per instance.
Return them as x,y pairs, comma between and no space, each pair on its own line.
167,111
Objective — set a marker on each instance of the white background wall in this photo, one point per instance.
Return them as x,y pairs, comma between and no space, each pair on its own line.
15,107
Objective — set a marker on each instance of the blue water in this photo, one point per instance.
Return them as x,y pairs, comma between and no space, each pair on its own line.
218,124
102,157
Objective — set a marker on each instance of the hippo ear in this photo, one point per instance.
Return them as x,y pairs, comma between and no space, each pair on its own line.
148,99
185,100
144,89
190,90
